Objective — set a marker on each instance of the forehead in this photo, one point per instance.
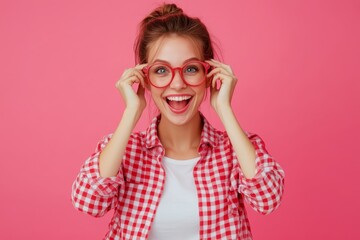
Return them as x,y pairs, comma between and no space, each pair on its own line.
174,49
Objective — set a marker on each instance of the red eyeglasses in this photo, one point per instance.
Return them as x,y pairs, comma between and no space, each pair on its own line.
193,73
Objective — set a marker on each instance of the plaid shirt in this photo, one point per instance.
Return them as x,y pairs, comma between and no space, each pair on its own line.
221,186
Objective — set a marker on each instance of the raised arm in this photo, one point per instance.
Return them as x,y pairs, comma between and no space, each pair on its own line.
260,178
97,185
110,158
221,103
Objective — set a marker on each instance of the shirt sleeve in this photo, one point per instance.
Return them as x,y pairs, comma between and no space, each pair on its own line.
91,193
264,191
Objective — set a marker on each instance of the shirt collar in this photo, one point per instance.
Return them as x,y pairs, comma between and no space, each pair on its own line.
209,135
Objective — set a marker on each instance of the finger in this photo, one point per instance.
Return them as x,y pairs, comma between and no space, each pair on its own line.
221,78
117,83
215,80
121,80
218,63
131,76
141,66
215,63
125,73
219,71
140,72
132,79
129,71
213,90
223,69
214,71
140,77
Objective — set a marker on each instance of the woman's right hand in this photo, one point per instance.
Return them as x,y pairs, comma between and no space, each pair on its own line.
133,100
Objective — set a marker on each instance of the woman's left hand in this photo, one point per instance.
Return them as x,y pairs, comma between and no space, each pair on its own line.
221,95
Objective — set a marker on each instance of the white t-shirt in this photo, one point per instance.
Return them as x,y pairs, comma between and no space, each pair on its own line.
177,216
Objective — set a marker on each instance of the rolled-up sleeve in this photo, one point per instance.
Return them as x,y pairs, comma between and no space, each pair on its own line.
264,191
91,193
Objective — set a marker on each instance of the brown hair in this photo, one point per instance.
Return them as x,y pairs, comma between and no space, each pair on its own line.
168,19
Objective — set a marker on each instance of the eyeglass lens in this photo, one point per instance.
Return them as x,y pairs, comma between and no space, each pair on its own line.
161,74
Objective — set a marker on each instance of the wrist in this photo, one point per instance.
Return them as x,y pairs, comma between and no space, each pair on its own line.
224,112
132,114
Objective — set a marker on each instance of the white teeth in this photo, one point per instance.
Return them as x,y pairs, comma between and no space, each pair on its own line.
178,98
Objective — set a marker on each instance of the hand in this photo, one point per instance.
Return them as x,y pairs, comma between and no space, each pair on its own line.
221,96
133,100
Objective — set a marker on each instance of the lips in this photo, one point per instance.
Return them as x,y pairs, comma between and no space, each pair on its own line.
178,103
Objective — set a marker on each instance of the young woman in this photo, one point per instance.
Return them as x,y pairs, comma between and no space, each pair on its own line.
181,178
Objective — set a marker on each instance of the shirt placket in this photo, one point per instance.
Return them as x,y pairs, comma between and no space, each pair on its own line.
158,154
202,190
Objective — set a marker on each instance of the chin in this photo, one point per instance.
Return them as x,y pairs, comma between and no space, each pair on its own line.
179,119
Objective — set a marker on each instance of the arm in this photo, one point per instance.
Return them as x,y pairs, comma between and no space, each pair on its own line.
96,187
260,179
264,191
92,193
221,102
242,146
110,158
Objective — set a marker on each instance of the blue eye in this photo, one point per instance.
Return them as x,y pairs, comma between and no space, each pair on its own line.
161,70
191,69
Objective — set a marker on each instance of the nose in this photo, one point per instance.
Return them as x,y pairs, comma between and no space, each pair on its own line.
177,81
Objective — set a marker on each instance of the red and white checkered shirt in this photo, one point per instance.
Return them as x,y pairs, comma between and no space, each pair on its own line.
135,192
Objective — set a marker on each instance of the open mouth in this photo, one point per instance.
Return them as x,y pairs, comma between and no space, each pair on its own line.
178,103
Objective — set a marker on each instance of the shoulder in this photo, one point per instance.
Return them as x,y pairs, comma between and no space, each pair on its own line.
147,138
138,138
213,136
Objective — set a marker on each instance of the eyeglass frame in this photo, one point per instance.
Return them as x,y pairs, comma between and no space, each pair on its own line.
205,65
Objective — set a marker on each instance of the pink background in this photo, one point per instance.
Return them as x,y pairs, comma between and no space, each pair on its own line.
298,65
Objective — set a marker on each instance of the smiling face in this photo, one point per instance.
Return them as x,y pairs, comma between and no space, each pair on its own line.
178,102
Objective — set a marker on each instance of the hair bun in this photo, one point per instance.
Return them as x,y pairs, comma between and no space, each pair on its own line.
169,19
164,11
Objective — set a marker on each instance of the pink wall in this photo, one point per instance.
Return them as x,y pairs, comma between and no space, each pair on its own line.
298,65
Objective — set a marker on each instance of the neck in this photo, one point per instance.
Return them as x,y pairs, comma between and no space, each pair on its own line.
183,137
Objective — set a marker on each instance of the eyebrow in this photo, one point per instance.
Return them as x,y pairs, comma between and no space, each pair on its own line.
187,60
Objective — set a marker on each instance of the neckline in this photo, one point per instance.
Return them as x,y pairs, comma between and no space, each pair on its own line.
182,161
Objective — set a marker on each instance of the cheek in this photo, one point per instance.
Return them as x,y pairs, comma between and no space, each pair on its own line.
155,94
201,92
